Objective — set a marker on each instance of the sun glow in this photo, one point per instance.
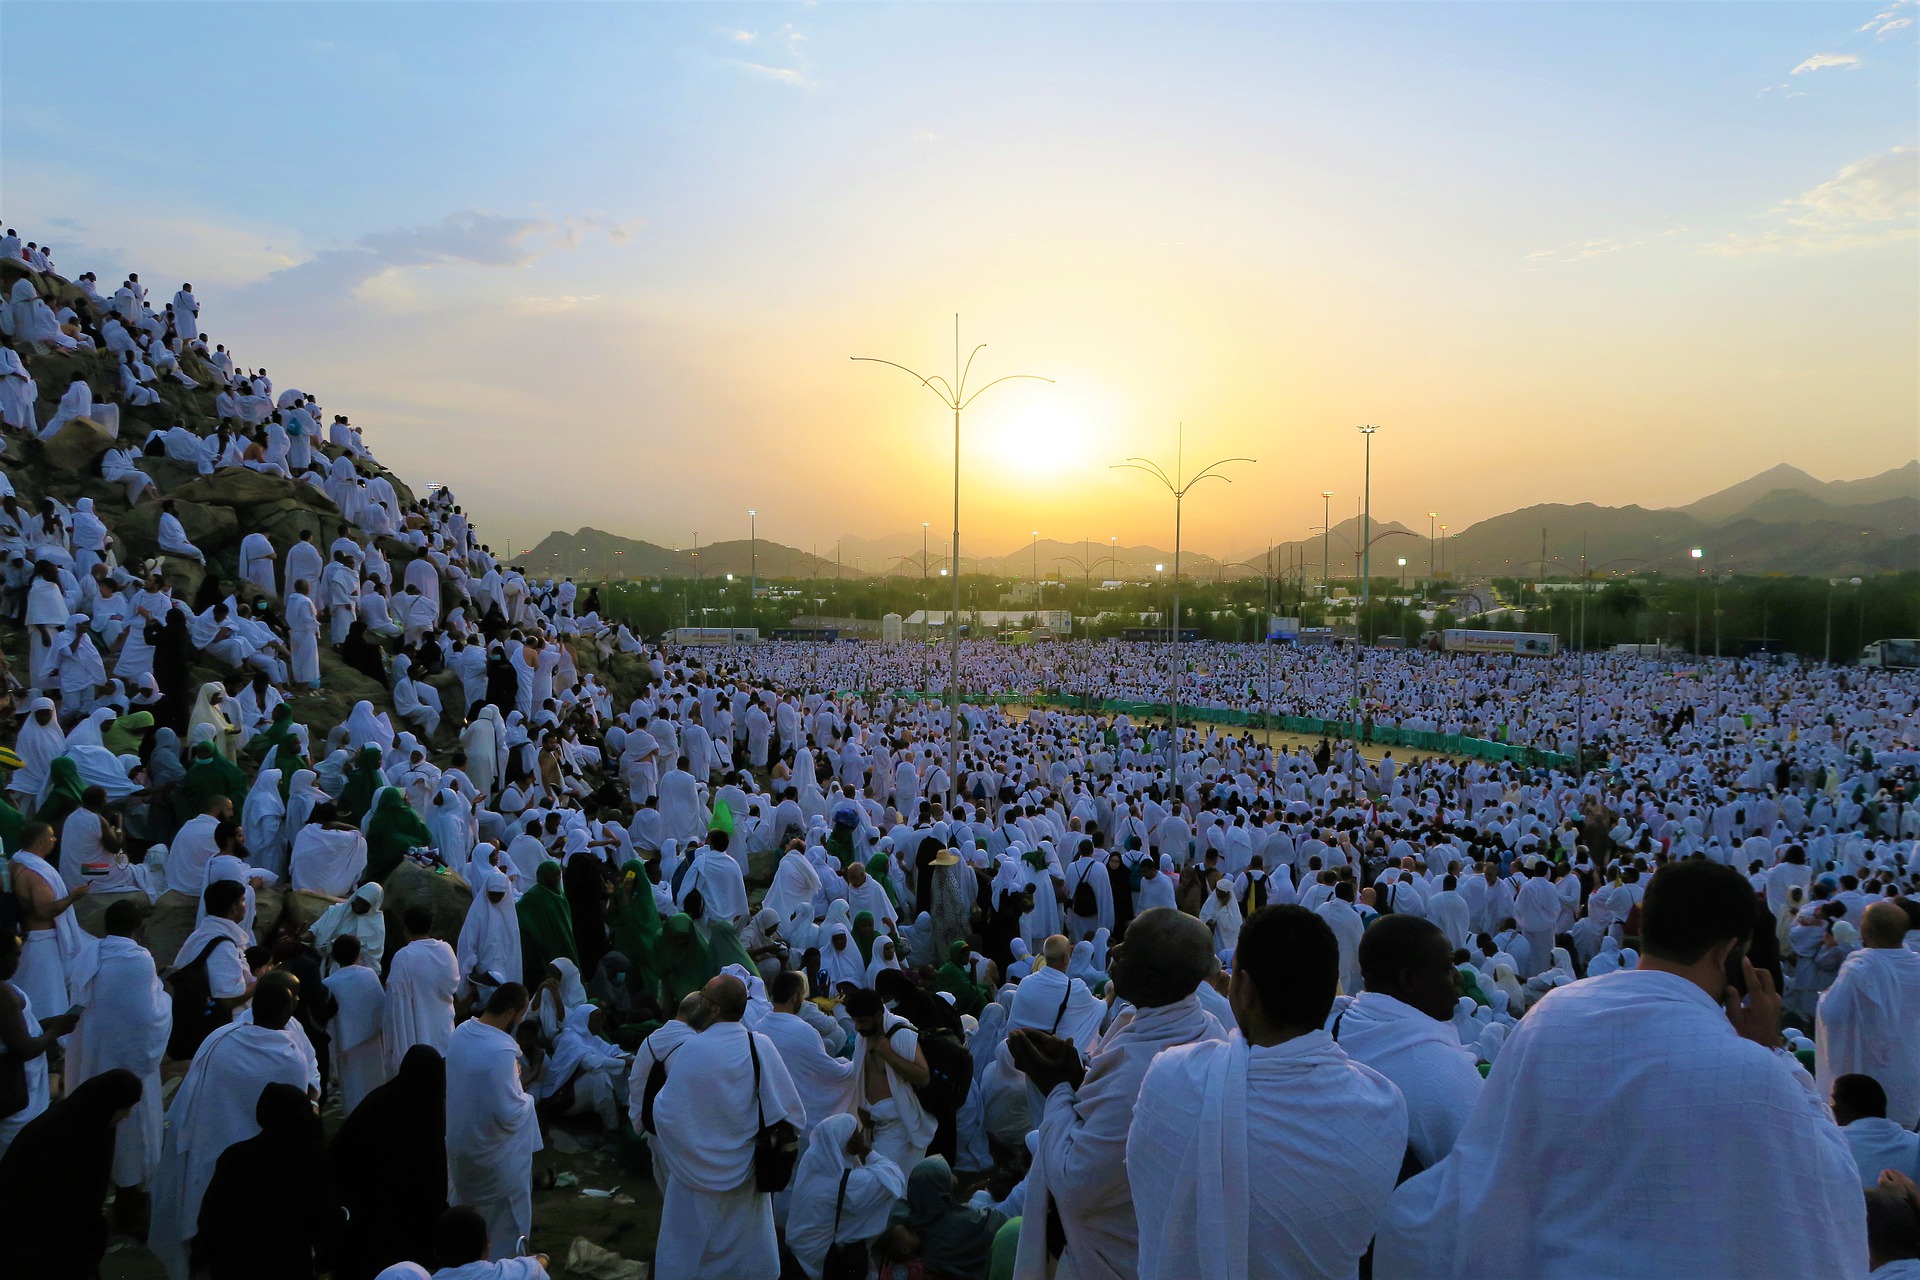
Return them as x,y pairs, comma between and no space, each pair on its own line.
1038,441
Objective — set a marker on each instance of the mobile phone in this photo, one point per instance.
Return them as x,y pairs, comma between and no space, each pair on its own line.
1736,970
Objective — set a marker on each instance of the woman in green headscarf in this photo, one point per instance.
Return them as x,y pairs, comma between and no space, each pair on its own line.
864,936
64,789
546,925
261,744
723,943
127,734
394,829
952,978
211,774
877,867
684,964
634,926
363,784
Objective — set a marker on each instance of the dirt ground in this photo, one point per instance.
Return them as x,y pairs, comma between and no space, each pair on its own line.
1294,741
626,1221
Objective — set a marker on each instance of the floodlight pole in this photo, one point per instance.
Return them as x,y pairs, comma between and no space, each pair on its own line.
954,395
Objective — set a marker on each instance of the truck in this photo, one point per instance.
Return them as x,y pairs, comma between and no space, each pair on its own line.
1892,655
713,635
1536,644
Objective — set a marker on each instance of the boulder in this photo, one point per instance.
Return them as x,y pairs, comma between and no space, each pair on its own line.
185,577
209,528
441,892
247,488
303,908
91,911
285,519
77,447
168,925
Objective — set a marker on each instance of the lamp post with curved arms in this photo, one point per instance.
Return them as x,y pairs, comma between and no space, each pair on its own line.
1178,488
954,395
1359,557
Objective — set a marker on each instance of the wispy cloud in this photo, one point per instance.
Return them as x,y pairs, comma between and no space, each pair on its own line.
1888,20
784,75
468,238
1871,201
1582,250
1821,61
783,62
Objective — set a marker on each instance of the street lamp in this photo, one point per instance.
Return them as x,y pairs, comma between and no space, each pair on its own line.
1403,573
753,560
923,550
1036,575
1696,554
1326,539
1431,517
1178,489
1443,548
954,396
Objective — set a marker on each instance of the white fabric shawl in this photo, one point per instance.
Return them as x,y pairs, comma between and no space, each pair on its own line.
1426,1061
1614,1101
873,1184
1869,1023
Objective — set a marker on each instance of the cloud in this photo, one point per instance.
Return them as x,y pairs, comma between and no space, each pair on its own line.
371,265
1871,201
553,306
1581,250
743,37
1888,20
785,75
1821,61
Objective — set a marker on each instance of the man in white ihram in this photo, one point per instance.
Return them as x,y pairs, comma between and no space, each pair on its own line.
714,1220
1269,1153
1869,1019
492,1132
1644,1123
1080,1161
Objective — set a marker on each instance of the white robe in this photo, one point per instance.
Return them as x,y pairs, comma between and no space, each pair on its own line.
491,1132
1425,1060
1869,1023
713,1221
1037,1003
359,1053
1617,1100
128,1017
1080,1160
213,1110
421,984
830,1085
1270,1162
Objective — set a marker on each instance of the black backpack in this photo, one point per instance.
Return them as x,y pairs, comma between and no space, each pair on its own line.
949,1072
656,1081
1085,903
196,1014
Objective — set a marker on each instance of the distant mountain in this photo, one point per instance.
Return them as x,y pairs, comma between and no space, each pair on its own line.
1780,521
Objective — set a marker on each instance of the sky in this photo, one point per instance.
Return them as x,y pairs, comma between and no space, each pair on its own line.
605,264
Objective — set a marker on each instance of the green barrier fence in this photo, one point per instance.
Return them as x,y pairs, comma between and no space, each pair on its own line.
1382,735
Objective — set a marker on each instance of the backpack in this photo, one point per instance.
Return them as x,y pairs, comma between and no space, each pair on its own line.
1085,903
196,1014
656,1081
950,1072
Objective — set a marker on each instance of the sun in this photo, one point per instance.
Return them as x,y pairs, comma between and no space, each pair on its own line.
1040,441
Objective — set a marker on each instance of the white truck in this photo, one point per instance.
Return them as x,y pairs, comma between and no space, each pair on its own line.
1893,655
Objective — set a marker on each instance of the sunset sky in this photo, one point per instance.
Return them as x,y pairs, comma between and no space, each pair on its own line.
605,264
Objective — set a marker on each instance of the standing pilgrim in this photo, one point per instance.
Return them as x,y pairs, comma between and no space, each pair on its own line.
128,1017
215,1108
1218,1122
421,984
1079,1171
492,1132
725,1082
1684,1095
1869,1020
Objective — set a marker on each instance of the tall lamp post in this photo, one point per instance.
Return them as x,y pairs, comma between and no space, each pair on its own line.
1036,575
923,553
1431,517
753,561
955,397
1326,542
1178,488
1696,554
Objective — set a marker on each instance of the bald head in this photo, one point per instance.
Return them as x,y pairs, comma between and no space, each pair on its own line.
1883,925
728,997
694,1010
1056,951
1166,956
274,999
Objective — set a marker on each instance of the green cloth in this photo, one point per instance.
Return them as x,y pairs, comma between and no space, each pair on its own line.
864,937
877,867
685,966
969,997
124,736
722,819
10,823
281,730
723,945
546,926
63,792
840,845
211,774
363,784
633,922
395,828
1006,1250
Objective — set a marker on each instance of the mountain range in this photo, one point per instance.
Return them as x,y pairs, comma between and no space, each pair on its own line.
1780,521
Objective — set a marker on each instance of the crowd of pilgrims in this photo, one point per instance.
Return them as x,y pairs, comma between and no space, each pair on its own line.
1104,1001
